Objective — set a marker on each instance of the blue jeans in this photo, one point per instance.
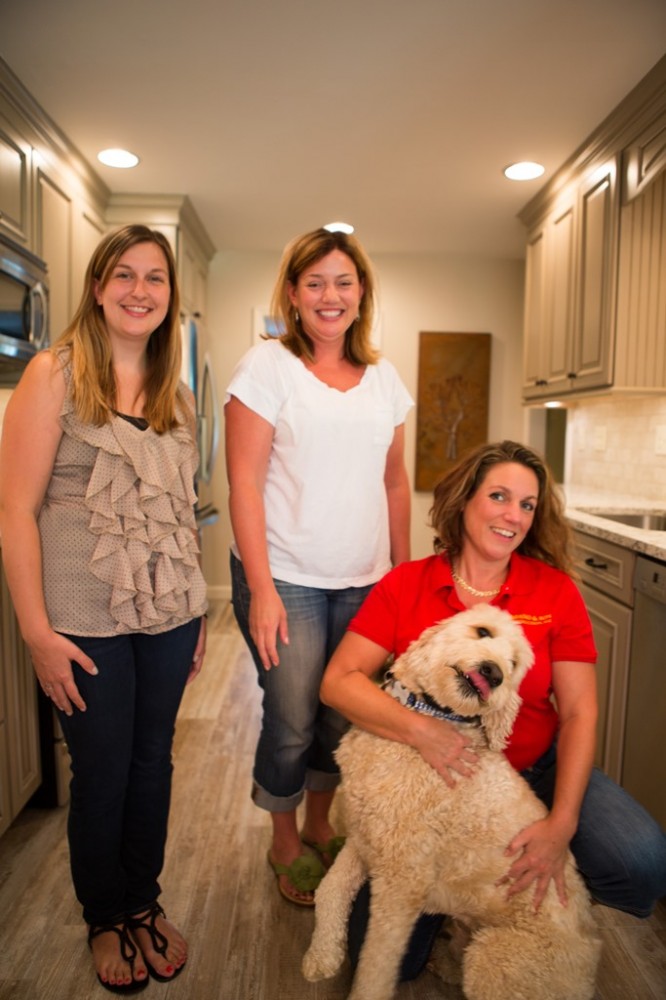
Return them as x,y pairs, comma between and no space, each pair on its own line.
121,766
619,849
298,734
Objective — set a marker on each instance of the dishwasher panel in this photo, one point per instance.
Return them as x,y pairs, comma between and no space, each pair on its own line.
644,767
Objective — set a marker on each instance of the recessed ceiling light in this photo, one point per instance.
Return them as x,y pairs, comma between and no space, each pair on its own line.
339,227
118,158
553,404
526,170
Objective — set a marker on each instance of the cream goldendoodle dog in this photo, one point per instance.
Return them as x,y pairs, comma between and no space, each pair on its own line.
431,848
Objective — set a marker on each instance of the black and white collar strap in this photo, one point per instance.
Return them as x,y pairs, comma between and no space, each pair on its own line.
426,705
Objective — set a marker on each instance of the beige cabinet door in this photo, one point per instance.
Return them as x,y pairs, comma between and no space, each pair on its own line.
592,359
534,326
611,622
21,713
53,217
6,815
15,178
560,298
640,353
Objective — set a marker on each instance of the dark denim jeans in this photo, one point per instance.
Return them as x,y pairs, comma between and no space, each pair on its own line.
619,849
121,766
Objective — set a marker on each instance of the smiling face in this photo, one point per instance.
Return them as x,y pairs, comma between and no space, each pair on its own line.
327,295
499,515
135,298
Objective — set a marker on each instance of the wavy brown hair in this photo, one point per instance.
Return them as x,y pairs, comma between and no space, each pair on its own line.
303,252
94,383
549,538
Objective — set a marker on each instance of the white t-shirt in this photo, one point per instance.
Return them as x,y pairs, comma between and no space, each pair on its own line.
325,500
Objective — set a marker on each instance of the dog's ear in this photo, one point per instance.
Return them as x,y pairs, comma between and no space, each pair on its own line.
523,657
498,724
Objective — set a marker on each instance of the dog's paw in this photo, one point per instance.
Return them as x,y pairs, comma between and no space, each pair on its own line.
316,966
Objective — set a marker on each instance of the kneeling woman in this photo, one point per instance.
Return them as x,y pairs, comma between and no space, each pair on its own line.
502,538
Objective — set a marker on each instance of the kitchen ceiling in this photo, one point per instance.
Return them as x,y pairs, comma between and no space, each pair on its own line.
276,116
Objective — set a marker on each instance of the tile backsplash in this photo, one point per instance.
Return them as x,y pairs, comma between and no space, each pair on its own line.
618,445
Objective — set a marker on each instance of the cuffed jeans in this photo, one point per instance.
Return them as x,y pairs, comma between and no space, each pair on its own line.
298,734
619,850
121,766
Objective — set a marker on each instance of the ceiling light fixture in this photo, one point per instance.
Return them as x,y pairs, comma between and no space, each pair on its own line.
526,170
121,158
339,227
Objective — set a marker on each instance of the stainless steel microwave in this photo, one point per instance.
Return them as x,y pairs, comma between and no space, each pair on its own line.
24,308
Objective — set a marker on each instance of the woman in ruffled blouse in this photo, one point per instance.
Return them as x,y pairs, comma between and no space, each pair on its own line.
99,543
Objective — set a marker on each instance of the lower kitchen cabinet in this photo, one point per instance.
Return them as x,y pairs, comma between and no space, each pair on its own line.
20,766
611,622
606,572
5,797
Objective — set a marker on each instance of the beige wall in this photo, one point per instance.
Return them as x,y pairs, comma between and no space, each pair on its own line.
451,294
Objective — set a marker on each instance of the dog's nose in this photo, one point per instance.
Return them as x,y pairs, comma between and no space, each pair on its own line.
491,672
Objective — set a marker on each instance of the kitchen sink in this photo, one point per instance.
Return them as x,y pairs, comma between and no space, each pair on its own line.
649,520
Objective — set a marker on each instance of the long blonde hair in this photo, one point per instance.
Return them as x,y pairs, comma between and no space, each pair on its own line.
94,389
301,253
549,538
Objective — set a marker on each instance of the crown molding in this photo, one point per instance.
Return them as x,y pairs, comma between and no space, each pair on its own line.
48,134
617,132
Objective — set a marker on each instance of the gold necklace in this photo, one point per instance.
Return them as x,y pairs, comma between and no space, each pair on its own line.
473,590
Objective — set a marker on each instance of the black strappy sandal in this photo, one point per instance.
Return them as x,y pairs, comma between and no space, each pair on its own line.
128,953
146,921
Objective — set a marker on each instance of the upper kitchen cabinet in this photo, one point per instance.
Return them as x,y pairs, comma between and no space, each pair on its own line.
15,172
595,305
68,226
55,204
641,294
174,216
50,199
570,282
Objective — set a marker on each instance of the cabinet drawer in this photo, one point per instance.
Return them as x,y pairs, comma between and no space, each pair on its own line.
606,566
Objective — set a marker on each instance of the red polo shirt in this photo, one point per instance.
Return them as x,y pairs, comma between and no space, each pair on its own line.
545,601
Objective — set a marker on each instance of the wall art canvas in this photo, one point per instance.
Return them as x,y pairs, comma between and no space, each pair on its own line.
452,401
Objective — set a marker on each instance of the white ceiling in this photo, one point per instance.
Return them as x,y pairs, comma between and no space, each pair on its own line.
276,116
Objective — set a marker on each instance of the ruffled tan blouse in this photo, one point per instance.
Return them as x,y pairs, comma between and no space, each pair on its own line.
119,541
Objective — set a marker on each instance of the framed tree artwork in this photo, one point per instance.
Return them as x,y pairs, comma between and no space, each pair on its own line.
452,401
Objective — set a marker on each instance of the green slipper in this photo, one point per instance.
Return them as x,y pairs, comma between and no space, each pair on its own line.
304,874
328,851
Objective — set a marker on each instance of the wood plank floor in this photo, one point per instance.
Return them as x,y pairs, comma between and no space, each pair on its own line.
246,943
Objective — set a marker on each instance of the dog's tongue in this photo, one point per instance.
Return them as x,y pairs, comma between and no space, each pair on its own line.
480,683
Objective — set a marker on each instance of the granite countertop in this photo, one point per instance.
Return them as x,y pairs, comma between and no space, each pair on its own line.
640,540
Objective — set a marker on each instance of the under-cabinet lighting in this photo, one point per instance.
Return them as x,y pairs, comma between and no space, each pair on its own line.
526,170
121,158
339,227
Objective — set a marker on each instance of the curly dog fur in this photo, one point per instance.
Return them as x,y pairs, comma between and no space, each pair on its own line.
430,848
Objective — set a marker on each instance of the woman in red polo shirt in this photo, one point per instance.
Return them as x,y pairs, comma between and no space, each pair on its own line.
502,538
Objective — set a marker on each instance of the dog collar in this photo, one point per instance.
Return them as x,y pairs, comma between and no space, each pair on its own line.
425,704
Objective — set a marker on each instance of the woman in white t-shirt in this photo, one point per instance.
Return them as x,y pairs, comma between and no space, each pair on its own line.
320,505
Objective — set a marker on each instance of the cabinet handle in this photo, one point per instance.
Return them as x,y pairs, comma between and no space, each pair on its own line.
541,381
572,374
595,565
